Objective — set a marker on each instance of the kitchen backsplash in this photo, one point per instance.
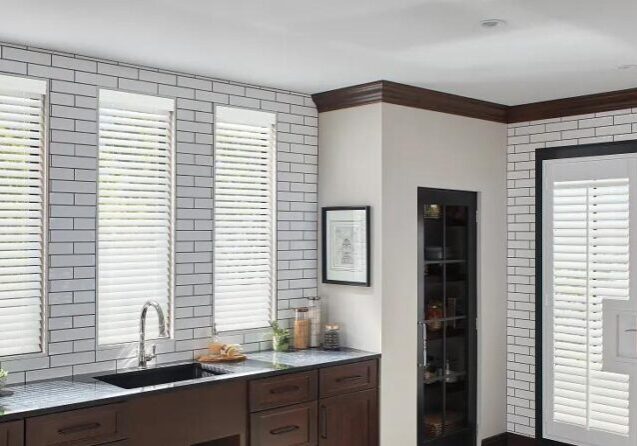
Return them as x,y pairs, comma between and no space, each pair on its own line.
74,82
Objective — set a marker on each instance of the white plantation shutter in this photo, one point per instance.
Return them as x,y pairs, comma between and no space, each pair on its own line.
22,215
589,250
135,213
245,215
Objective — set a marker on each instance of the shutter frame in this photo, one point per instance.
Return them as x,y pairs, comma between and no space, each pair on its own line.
17,89
245,179
599,282
136,209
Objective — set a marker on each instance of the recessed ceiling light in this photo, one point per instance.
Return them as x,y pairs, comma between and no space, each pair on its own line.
628,66
493,23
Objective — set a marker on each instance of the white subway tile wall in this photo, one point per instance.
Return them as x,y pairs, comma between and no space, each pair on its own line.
523,140
74,84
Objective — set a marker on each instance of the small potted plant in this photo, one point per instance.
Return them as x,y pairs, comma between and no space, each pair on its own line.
3,378
280,337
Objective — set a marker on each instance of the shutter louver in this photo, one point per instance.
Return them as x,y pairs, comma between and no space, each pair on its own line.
590,264
135,213
244,214
22,215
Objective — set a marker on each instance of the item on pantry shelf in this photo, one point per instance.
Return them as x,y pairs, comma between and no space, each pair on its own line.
3,378
220,352
434,313
432,211
280,337
434,425
301,329
332,337
315,321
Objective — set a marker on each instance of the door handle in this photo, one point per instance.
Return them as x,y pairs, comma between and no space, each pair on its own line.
324,422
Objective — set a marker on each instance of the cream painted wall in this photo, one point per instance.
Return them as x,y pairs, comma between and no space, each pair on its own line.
350,170
379,155
431,149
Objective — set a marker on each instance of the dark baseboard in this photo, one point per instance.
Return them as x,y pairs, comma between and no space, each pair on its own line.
509,439
496,440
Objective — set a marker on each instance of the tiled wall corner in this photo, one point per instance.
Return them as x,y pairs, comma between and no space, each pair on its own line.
74,82
523,140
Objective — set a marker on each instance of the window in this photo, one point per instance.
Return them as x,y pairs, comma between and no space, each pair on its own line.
22,215
586,261
135,212
245,215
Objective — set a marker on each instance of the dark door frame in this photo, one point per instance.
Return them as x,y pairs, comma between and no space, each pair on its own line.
470,200
541,155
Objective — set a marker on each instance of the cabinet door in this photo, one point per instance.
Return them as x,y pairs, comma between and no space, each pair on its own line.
12,433
193,416
349,420
285,426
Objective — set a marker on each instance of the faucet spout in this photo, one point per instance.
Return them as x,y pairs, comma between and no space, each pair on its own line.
144,357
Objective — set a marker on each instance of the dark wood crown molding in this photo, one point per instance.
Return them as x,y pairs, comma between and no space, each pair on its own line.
578,105
409,96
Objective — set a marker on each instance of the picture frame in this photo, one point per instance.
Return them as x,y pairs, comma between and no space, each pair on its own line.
346,246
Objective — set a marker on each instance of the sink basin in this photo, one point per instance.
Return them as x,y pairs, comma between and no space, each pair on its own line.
159,375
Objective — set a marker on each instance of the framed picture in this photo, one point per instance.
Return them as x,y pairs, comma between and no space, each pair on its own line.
346,246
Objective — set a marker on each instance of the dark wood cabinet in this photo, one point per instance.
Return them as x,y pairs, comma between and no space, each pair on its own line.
85,427
349,420
12,433
195,416
348,378
285,426
447,233
347,407
334,406
268,393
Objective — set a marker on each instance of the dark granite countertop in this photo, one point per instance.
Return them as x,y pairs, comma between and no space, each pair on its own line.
62,394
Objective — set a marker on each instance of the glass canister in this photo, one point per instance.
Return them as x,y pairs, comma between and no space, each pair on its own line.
315,321
301,329
332,337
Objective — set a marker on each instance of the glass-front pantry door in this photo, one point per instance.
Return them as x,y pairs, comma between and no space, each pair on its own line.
447,301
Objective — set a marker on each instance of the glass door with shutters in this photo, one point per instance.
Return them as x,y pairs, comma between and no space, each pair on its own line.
447,296
588,246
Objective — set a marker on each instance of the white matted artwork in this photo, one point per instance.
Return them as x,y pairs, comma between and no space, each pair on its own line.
346,249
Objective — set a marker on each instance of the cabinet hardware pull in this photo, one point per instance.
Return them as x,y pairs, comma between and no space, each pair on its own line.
284,389
348,378
324,422
78,428
631,330
284,430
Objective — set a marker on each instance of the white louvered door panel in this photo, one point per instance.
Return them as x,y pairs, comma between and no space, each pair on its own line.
244,215
135,213
22,215
586,247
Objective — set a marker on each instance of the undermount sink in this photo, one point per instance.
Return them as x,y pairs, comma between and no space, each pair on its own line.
159,375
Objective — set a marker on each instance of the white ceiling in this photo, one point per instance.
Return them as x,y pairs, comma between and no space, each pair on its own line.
549,49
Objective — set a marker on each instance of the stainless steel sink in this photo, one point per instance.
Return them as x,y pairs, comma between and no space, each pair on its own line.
159,375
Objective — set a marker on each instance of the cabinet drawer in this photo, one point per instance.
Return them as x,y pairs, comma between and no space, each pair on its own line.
12,433
84,427
348,378
286,426
269,393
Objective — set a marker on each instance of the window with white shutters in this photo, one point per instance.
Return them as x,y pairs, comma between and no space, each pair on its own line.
135,213
587,250
22,215
245,219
